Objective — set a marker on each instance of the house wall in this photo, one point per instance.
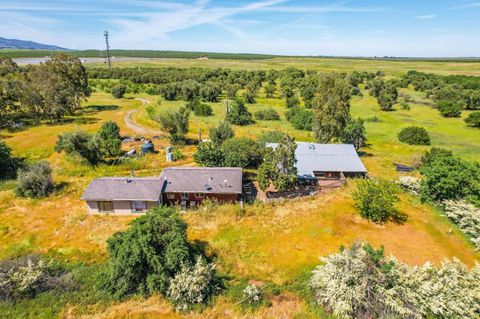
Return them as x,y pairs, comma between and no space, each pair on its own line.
119,207
177,200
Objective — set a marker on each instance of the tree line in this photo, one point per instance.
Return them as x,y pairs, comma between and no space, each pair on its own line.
49,91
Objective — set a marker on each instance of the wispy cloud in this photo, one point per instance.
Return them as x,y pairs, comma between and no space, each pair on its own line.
425,17
467,5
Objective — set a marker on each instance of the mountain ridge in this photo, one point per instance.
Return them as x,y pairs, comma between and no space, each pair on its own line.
25,44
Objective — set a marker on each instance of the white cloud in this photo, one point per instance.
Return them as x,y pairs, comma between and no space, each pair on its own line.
425,17
468,5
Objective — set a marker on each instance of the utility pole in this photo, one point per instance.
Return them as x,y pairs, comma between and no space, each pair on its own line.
108,49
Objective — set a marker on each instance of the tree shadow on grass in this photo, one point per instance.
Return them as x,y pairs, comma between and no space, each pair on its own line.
97,108
74,120
399,218
59,187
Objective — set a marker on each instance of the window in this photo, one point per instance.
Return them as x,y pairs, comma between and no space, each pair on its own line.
170,196
105,207
184,196
138,206
199,195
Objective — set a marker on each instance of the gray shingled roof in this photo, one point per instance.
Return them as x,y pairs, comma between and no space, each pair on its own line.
124,188
325,158
216,180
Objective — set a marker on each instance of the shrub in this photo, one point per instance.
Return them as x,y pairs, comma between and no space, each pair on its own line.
119,90
203,109
292,101
375,199
360,282
199,108
448,177
145,257
410,183
252,294
221,133
267,115
80,144
35,181
434,153
242,152
193,284
28,276
8,164
449,108
473,119
270,137
300,118
414,135
238,113
209,154
467,217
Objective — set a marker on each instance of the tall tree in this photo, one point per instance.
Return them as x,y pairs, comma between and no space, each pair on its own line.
110,135
388,96
175,123
221,133
278,167
355,133
61,85
332,108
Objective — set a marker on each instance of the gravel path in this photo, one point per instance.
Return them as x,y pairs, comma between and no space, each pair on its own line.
138,129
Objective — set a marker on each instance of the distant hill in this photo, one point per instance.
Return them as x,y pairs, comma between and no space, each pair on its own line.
30,45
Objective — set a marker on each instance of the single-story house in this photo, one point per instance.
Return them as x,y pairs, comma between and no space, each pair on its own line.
326,161
189,186
184,186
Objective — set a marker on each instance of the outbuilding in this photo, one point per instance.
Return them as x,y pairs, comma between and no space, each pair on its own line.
326,161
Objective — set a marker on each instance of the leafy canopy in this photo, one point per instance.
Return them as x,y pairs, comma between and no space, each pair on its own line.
375,200
145,257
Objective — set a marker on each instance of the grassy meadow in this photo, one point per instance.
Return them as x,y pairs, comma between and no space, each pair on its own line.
276,243
311,63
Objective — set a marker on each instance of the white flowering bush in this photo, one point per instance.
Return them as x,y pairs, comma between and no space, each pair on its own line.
466,216
410,183
360,282
252,294
193,284
27,276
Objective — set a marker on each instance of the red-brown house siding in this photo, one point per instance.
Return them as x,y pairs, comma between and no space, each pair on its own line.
177,200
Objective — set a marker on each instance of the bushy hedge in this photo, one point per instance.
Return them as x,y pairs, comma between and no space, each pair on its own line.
449,108
375,200
473,119
267,115
360,282
414,135
300,118
466,216
446,177
35,181
25,277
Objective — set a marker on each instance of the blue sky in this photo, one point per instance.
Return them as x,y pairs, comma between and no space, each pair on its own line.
306,27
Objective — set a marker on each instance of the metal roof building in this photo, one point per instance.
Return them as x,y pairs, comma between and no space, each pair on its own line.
313,157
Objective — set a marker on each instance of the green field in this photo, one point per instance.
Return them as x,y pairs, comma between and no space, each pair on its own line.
278,243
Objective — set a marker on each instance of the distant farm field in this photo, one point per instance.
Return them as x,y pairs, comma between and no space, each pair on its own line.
278,243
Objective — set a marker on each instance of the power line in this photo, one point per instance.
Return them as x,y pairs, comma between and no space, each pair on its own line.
108,49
